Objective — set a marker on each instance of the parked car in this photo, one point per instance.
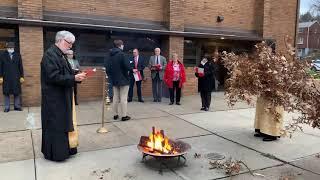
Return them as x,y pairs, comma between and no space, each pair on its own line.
315,65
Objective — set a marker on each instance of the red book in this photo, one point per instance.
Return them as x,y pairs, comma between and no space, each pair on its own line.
90,72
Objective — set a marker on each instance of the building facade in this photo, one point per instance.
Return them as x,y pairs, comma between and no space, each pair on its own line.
308,38
188,27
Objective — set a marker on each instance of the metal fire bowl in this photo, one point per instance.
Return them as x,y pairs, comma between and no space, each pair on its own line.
181,146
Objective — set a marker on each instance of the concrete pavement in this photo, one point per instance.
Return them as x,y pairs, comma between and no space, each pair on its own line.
223,130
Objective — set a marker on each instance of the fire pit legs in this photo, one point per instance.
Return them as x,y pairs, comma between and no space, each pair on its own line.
162,160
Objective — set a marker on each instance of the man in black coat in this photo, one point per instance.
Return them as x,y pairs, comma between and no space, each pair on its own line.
11,75
57,81
137,64
119,68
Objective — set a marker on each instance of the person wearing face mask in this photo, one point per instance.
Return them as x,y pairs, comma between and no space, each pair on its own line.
119,67
76,69
205,82
11,76
58,115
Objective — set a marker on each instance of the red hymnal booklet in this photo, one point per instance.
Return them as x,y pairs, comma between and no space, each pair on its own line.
90,72
200,71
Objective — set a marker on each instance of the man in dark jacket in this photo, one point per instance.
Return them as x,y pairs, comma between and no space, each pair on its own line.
119,68
57,105
11,75
136,74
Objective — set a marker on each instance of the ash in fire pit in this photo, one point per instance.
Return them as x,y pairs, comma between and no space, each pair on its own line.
160,147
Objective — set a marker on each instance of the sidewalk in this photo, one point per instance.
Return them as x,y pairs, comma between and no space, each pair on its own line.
114,156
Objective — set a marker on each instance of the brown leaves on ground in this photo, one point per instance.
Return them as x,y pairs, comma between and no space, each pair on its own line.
279,77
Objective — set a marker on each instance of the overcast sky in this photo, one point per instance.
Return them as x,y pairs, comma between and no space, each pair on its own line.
305,5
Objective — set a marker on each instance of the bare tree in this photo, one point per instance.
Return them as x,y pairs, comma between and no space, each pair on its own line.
315,7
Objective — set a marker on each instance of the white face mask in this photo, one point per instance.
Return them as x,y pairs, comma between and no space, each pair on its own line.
121,47
10,50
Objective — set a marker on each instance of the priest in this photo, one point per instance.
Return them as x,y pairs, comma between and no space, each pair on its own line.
59,135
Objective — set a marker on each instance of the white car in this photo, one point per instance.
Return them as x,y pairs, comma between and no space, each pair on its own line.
315,65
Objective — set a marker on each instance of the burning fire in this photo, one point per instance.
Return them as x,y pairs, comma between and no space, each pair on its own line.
158,142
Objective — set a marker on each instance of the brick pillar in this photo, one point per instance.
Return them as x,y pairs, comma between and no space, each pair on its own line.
175,19
176,15
30,9
267,21
176,45
31,49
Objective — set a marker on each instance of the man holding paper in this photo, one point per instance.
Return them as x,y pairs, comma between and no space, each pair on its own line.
157,65
136,75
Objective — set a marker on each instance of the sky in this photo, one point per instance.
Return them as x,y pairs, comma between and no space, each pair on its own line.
305,5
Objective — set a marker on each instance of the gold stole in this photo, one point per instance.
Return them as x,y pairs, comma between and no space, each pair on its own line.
73,135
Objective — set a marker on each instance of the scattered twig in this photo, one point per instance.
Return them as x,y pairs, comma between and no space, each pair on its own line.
196,155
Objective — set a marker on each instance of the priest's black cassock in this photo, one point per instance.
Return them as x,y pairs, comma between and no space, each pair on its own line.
57,80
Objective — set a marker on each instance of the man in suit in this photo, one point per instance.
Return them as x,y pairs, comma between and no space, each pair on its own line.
11,75
137,65
157,65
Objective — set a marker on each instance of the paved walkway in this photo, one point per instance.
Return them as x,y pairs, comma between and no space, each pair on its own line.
114,156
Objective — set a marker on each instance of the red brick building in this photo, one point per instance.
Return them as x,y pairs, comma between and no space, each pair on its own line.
308,38
188,27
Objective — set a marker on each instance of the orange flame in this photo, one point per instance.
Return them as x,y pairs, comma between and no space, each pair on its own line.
160,143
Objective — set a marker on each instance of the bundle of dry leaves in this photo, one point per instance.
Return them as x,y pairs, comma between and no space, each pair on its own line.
280,78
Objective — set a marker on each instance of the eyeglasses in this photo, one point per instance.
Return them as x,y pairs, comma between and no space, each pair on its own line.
68,42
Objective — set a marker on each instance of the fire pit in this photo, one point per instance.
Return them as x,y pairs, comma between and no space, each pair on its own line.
160,147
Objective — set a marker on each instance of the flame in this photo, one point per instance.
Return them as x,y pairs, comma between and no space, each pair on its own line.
160,143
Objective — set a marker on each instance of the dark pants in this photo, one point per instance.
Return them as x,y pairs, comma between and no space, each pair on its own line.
17,103
138,83
178,92
110,87
205,98
157,88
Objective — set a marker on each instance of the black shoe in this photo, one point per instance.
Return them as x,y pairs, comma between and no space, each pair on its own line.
269,138
155,100
6,110
258,135
159,100
126,118
203,108
129,100
115,117
77,104
17,109
141,100
178,103
171,103
206,109
73,151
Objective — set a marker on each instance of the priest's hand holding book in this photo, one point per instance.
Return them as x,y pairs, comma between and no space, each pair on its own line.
80,77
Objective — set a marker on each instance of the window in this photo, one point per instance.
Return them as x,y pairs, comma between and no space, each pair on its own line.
190,57
300,41
300,52
8,33
92,47
300,30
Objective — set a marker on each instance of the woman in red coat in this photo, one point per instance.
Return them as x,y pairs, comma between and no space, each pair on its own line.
174,77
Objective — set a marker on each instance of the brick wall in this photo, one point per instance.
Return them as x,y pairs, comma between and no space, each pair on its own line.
237,13
280,21
31,9
8,3
140,9
175,15
31,49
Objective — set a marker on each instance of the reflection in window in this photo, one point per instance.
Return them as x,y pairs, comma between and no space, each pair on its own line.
6,35
93,47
